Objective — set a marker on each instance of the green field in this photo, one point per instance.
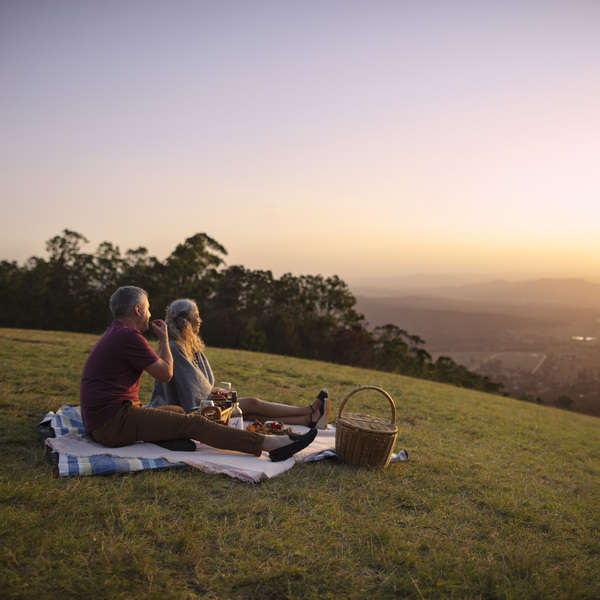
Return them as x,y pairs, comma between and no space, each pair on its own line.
499,498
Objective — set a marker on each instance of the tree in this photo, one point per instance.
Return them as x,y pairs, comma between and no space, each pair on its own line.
392,351
62,286
11,294
564,402
192,263
308,316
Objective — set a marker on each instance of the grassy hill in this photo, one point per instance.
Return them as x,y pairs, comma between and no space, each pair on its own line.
499,498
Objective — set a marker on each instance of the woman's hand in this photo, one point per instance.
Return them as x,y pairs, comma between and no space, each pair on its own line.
220,391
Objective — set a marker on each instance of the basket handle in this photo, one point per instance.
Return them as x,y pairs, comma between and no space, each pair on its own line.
370,387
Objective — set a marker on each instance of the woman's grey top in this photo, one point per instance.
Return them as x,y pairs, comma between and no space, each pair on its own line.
191,383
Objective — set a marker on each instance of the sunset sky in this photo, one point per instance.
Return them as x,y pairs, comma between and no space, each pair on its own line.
357,138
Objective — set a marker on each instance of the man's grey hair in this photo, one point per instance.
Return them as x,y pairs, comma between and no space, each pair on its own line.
125,299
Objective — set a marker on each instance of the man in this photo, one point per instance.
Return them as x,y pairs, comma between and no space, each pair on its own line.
112,412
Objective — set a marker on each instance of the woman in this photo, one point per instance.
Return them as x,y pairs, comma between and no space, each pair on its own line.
193,379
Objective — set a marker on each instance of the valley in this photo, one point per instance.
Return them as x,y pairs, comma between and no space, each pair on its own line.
543,347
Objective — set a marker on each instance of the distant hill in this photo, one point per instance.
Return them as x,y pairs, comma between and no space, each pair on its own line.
545,291
563,292
495,314
417,283
444,326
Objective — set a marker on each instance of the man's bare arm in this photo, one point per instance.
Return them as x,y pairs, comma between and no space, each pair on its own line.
162,369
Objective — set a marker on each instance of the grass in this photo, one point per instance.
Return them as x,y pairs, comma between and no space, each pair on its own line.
499,498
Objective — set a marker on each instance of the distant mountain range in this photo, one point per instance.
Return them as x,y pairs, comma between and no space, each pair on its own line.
565,292
493,314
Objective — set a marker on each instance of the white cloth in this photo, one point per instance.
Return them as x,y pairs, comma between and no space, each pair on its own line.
248,468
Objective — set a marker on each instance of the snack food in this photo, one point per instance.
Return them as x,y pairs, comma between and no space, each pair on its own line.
270,428
218,410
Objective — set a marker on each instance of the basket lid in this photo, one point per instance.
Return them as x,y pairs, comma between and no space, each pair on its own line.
367,423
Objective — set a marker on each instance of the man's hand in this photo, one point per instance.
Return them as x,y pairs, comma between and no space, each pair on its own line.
160,329
162,369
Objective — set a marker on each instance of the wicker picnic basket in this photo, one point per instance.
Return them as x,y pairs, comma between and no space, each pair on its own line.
363,440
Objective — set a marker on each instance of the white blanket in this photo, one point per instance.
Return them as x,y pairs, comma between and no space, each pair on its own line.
248,468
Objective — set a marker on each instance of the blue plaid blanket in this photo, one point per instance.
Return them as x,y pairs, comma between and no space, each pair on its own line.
67,419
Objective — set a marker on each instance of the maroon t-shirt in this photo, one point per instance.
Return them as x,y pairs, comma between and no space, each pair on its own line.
112,373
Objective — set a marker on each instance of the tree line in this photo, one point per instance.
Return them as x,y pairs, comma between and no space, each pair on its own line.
307,316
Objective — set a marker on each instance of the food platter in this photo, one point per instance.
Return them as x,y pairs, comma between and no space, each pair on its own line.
270,428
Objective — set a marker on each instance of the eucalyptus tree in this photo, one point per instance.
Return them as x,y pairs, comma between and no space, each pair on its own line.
191,271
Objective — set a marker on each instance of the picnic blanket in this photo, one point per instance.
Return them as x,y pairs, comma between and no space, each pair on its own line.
72,453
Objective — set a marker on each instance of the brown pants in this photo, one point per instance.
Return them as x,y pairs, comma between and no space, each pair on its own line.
136,424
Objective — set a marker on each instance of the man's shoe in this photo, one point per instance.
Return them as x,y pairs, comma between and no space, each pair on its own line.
182,445
299,443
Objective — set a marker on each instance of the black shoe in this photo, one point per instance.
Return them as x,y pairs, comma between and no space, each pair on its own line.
182,445
324,411
299,442
323,394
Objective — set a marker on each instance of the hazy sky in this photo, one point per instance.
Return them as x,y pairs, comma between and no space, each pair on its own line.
339,137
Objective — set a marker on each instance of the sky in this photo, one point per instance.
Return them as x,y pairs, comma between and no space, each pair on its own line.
362,139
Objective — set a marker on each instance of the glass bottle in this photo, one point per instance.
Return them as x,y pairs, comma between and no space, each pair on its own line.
236,419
